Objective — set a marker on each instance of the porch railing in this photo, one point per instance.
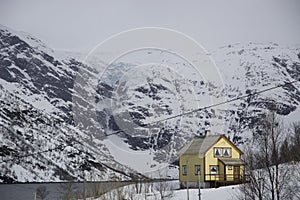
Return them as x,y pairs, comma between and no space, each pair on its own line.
239,178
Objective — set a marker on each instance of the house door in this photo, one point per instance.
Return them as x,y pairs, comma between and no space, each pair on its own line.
225,172
236,173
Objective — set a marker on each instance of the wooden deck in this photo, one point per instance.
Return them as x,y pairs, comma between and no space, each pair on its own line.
217,180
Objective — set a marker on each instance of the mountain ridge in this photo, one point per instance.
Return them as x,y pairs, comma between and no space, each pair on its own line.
76,104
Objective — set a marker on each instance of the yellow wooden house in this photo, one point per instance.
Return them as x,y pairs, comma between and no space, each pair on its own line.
211,160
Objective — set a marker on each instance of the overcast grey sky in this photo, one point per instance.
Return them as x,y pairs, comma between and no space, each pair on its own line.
82,24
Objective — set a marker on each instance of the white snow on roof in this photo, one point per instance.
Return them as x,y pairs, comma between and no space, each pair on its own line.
199,145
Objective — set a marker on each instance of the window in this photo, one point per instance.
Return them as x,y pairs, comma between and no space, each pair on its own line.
218,152
197,169
214,169
227,152
184,170
222,152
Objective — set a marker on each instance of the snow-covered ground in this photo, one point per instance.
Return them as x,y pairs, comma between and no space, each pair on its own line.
140,161
123,154
170,190
224,193
171,193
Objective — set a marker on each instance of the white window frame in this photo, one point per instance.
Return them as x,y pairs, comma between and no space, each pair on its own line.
210,169
184,170
220,151
197,169
229,151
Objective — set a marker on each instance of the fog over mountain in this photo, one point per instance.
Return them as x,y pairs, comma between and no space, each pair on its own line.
76,25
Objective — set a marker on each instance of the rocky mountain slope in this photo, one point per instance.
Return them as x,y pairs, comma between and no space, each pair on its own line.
39,141
101,126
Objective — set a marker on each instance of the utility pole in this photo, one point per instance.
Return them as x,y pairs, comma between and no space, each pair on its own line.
187,175
199,190
34,196
187,190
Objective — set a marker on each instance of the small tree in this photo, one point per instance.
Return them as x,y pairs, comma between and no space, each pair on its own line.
163,187
66,191
137,185
41,192
285,152
295,149
268,180
297,192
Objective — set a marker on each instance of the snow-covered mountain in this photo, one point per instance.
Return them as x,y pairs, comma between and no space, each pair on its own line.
153,92
100,125
256,67
39,141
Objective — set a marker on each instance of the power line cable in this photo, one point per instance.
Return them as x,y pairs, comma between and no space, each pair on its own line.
221,103
168,118
209,106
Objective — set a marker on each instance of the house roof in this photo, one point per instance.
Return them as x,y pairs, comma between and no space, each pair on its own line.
200,145
232,161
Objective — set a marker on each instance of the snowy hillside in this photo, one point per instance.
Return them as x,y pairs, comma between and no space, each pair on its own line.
171,189
100,122
254,67
136,95
36,102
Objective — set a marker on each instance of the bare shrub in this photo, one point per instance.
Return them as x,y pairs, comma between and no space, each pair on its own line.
41,192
